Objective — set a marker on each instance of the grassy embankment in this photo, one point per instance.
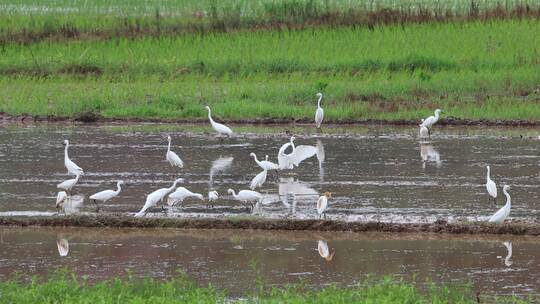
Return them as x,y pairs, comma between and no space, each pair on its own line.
65,288
471,67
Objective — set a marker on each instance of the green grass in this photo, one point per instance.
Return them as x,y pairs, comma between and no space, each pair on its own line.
64,287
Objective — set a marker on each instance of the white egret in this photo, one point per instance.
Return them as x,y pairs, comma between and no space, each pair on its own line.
322,247
180,195
68,184
507,260
430,121
504,212
258,180
283,159
219,128
61,197
322,204
246,196
491,186
319,114
105,195
172,157
63,246
71,166
300,153
265,164
212,197
153,198
424,131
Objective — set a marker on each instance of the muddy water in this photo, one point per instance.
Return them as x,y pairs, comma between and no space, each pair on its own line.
494,265
373,172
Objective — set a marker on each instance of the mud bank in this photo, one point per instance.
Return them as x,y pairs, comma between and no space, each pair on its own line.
96,118
114,221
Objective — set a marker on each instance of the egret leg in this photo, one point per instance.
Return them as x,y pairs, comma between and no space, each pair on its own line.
97,206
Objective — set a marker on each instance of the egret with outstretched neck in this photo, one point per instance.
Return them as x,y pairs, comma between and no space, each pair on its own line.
491,186
153,198
106,195
71,167
67,185
264,164
172,157
319,114
180,195
246,196
503,213
219,128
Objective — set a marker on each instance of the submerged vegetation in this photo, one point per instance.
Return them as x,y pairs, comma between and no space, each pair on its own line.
391,61
65,287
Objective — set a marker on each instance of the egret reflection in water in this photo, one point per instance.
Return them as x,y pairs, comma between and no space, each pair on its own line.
429,154
324,252
73,204
63,245
507,260
297,190
320,157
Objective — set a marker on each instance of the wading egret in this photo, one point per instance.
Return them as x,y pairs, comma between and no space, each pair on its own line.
180,195
322,204
153,198
319,114
71,166
220,128
283,159
507,260
300,153
68,184
322,247
212,197
61,197
490,186
246,196
63,246
265,164
172,157
424,132
258,180
105,195
430,121
504,212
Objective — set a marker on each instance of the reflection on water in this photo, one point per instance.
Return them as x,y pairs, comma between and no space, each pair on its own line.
216,256
429,154
73,204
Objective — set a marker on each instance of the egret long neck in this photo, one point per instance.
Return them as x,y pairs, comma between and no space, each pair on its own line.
256,160
210,116
66,152
292,144
234,194
169,147
118,188
319,102
508,199
488,173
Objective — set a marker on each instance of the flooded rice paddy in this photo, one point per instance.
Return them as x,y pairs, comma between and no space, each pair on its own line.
374,172
493,265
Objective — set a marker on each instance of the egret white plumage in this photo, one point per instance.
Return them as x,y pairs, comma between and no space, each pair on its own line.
63,246
507,260
283,159
61,197
503,213
491,187
172,157
319,114
246,196
70,165
258,180
322,247
265,164
153,198
68,184
300,153
106,195
212,197
219,128
322,204
424,131
180,194
430,121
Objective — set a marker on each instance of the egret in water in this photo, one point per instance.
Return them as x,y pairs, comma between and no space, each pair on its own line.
424,131
180,195
300,153
153,198
265,164
221,129
319,114
71,166
172,157
322,247
258,180
430,121
490,186
105,195
322,204
68,184
504,212
246,196
212,197
61,197
283,159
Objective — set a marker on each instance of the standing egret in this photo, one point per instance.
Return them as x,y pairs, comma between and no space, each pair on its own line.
71,166
61,197
424,131
319,114
172,157
258,180
68,184
219,128
504,212
246,196
106,195
283,159
180,195
430,121
322,247
212,197
153,198
322,204
265,164
491,187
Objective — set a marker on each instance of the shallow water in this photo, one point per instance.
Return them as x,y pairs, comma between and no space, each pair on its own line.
216,256
373,172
